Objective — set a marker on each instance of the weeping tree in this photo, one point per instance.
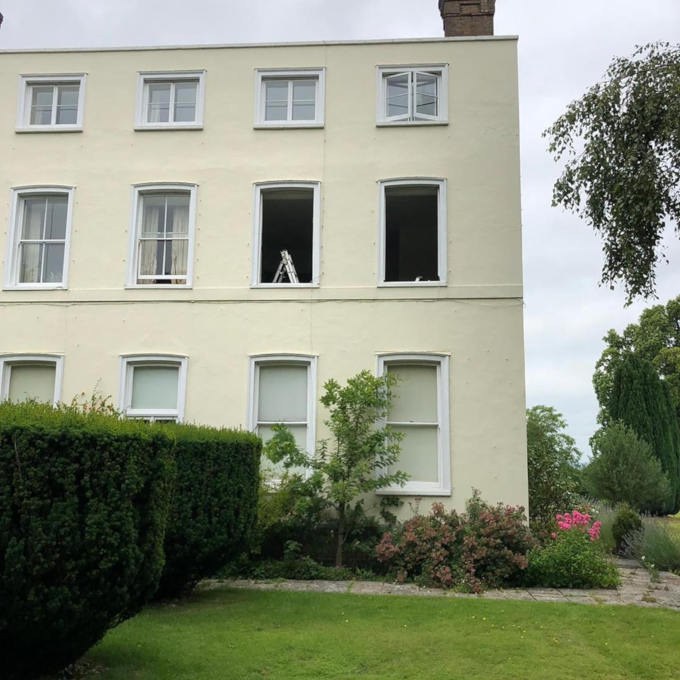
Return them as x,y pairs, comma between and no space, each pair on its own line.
622,173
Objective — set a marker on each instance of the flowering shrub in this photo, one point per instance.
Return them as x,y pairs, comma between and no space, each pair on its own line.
485,546
577,521
574,559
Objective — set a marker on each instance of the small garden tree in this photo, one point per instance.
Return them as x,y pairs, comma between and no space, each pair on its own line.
552,459
360,456
624,470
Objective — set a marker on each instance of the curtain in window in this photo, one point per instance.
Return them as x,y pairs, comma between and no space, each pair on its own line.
32,381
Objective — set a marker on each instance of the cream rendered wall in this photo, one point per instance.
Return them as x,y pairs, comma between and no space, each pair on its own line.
347,320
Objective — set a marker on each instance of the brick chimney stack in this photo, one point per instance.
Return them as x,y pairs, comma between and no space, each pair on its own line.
467,17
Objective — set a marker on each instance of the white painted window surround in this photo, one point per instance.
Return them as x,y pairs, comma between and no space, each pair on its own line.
51,103
412,95
162,228
282,389
262,190
286,98
404,186
39,238
31,376
170,100
420,410
153,386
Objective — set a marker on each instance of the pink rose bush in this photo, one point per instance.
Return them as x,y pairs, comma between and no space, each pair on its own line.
577,521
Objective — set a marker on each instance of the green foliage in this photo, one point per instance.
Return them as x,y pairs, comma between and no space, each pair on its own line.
623,469
552,459
642,401
625,523
656,338
657,544
83,507
214,504
359,458
483,547
571,560
623,146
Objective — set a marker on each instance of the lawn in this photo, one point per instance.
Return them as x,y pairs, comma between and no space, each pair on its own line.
225,634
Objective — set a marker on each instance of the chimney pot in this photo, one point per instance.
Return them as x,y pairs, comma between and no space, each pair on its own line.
467,17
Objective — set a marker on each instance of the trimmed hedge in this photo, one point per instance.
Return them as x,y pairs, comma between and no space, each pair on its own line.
84,501
214,507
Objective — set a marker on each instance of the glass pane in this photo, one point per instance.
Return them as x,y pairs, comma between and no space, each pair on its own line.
419,453
153,215
54,262
67,104
30,262
415,394
426,94
397,95
276,99
185,101
275,471
177,220
154,387
32,381
151,258
304,99
176,252
41,104
159,103
282,394
34,218
55,224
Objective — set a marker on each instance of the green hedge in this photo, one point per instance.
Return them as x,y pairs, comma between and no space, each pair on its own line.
83,508
214,506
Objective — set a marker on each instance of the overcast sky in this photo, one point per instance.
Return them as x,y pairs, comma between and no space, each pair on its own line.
564,47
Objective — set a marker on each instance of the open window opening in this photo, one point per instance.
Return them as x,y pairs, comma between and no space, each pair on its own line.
287,235
412,233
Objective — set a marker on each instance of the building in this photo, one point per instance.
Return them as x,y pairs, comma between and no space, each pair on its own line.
152,196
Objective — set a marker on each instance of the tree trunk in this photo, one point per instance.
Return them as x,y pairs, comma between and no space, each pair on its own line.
341,536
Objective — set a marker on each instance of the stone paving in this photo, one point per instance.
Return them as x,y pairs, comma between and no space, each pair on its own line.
636,588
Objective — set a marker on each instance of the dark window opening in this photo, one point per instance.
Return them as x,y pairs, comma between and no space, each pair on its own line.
411,226
287,225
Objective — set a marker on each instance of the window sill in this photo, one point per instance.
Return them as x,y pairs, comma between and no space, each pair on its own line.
283,285
410,123
49,128
413,490
45,286
282,125
412,284
139,127
158,286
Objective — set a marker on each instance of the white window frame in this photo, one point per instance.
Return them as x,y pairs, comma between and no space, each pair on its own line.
383,72
7,361
128,362
26,83
442,487
138,191
308,360
14,236
142,103
261,75
263,187
442,239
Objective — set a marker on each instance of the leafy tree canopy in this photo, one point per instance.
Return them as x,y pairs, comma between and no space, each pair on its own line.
622,142
656,338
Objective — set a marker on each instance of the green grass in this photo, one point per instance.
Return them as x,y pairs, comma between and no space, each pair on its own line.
225,634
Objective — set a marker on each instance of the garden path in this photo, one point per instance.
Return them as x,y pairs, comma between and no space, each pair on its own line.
637,587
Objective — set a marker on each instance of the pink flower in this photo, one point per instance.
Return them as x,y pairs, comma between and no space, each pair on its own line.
554,535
